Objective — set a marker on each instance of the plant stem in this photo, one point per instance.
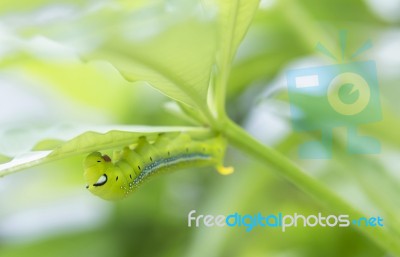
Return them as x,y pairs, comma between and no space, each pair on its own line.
245,142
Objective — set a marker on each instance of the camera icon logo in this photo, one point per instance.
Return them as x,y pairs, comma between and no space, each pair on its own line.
327,97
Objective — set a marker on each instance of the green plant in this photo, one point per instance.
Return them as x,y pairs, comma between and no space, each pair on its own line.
198,86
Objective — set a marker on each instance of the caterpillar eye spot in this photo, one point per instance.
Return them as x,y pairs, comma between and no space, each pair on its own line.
101,181
151,159
98,161
130,175
87,186
138,167
116,179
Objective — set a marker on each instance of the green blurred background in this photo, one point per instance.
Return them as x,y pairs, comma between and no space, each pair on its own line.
46,88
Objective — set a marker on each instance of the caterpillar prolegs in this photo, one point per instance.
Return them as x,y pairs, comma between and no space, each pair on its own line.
113,180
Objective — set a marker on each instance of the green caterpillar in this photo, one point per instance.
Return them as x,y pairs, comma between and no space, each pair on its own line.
113,180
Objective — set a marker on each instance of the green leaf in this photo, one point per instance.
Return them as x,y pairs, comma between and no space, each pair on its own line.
47,144
169,45
234,20
94,140
171,52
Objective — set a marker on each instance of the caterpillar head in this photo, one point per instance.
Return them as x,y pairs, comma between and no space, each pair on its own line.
99,173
